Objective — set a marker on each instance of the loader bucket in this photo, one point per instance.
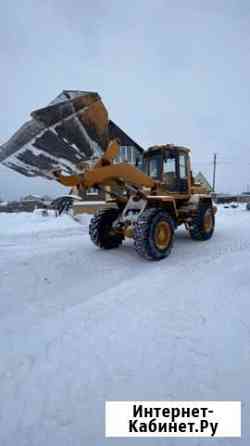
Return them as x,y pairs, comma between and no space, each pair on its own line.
72,128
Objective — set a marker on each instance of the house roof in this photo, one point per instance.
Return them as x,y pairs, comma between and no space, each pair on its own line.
200,177
116,132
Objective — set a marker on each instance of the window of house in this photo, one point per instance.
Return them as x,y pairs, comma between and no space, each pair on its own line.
133,155
127,154
123,153
139,162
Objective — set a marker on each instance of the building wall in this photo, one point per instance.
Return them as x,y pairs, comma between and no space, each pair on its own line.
221,198
22,206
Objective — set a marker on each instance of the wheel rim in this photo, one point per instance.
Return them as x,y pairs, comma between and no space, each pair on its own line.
208,221
162,235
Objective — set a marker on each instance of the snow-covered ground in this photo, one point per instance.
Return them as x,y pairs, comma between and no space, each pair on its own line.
79,326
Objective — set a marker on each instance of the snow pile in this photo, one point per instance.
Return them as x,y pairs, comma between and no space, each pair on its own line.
30,223
83,219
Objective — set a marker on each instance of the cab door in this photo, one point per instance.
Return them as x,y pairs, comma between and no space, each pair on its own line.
175,171
183,172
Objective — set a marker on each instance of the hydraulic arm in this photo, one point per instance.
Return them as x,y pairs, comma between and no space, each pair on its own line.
104,172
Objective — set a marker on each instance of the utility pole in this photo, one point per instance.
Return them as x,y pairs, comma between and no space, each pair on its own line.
214,171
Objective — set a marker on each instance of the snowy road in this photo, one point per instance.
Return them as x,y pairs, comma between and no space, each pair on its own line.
79,326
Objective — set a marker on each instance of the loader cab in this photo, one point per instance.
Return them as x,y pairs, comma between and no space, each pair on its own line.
169,165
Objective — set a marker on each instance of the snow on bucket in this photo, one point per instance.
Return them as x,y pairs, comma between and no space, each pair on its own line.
72,128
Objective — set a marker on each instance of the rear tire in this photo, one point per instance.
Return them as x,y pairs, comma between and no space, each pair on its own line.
100,229
202,227
154,234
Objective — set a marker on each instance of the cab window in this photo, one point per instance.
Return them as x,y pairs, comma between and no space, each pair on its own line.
169,166
154,167
169,173
183,166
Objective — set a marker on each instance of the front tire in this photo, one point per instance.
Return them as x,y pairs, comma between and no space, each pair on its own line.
202,227
154,234
100,229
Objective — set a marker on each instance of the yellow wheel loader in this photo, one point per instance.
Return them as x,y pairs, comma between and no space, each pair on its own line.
61,142
146,206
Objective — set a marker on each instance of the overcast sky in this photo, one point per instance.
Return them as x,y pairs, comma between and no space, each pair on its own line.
168,71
